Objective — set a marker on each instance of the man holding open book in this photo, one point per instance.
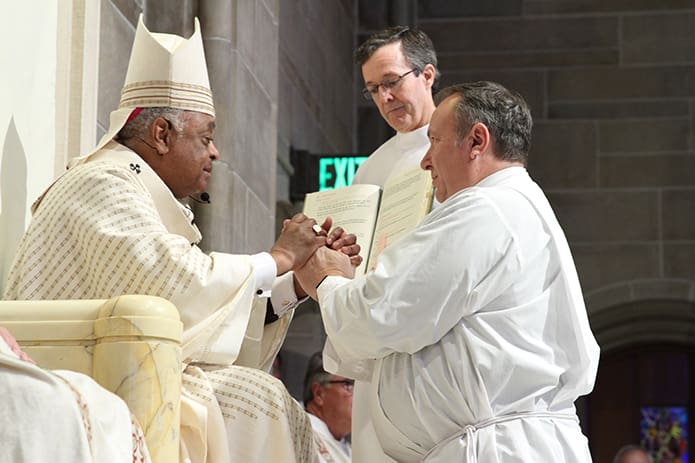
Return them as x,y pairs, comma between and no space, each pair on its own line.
475,321
399,67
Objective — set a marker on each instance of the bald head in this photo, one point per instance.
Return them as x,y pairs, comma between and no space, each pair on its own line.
631,454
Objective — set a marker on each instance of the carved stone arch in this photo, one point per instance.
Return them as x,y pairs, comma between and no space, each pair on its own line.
654,311
646,330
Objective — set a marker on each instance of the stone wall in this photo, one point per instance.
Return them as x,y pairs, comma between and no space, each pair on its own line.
316,79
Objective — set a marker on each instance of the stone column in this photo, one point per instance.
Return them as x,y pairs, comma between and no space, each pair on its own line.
241,43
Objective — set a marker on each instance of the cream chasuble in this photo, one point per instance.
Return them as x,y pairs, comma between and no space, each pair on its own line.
478,327
110,226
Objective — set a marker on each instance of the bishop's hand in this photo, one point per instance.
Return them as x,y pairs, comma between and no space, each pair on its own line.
296,243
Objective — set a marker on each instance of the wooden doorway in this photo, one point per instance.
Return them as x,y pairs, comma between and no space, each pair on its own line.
629,381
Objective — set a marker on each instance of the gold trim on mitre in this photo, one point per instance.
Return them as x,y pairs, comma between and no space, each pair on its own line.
168,94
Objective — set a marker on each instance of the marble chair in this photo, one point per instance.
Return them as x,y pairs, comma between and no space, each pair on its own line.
131,345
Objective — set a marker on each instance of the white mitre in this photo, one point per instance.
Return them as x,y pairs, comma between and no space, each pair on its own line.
165,70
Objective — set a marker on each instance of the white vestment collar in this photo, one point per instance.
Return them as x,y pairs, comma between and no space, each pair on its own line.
414,137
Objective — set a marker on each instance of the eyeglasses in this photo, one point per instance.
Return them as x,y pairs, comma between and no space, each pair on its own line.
370,91
348,384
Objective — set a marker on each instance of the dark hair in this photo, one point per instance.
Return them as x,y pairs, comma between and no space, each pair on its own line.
504,112
314,374
142,122
417,47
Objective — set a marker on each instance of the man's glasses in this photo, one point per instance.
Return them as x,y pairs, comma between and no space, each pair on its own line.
370,91
348,384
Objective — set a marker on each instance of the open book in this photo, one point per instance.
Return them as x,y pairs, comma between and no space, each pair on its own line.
377,218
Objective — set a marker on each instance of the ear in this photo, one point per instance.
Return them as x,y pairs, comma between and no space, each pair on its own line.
479,139
160,131
317,392
429,72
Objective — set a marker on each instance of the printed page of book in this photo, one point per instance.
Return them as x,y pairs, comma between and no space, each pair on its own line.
354,208
406,200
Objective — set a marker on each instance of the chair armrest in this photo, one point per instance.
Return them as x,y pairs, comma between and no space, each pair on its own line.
131,345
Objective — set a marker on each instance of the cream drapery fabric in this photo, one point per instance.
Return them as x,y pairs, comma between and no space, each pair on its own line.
62,417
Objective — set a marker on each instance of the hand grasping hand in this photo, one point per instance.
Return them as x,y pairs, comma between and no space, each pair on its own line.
324,262
339,240
296,243
342,241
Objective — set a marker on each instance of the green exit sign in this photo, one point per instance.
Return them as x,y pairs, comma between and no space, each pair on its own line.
338,172
321,171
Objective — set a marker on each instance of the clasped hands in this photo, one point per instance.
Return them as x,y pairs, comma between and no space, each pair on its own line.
312,255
